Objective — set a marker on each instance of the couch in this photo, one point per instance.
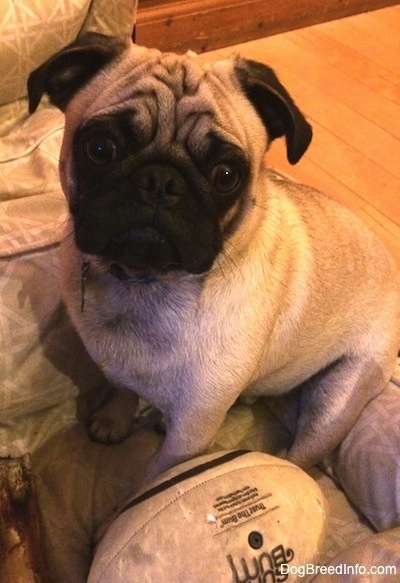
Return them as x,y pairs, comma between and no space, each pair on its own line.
46,376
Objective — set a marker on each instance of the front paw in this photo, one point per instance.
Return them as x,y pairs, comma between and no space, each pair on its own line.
103,429
114,421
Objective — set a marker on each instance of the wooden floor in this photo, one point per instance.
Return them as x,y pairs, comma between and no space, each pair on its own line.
345,76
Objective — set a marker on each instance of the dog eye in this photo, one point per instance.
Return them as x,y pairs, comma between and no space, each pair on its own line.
225,177
100,150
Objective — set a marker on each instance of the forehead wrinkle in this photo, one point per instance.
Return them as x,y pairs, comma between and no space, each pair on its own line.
194,108
175,84
171,79
190,111
116,83
145,87
181,74
229,99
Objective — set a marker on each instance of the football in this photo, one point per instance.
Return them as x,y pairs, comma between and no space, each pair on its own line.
225,517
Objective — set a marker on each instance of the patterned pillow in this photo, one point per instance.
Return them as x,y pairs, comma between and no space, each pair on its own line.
42,364
367,462
30,32
112,18
375,559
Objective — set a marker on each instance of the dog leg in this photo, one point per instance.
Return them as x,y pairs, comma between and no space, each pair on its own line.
189,434
330,404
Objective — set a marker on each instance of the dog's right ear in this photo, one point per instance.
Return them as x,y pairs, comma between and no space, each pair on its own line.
67,71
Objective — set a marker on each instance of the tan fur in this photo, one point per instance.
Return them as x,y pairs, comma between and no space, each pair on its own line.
301,292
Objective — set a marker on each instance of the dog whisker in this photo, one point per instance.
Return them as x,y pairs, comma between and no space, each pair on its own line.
225,260
260,206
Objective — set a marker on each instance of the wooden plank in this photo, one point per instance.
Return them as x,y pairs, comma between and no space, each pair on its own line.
353,64
203,25
374,184
377,29
329,79
352,169
345,123
390,19
386,48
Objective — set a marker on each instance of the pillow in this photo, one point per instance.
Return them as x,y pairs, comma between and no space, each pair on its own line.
30,32
42,362
367,462
375,559
112,18
87,481
43,366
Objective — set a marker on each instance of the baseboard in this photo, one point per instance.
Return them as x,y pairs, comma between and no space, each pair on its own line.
201,25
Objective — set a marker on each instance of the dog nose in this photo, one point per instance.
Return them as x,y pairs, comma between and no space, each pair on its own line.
162,184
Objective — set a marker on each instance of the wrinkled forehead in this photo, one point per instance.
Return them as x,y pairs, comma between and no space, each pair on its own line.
174,98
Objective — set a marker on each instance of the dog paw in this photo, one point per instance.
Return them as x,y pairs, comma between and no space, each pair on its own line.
104,429
114,421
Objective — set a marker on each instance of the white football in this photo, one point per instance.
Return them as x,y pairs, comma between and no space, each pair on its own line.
226,517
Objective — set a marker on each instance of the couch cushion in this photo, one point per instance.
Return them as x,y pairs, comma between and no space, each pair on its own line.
367,462
30,32
42,362
29,150
375,559
112,18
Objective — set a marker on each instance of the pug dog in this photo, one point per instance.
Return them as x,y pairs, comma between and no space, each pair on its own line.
192,272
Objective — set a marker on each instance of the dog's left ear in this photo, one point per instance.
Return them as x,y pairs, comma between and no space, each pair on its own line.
274,105
67,71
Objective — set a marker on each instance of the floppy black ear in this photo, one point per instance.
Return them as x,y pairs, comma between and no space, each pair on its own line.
276,108
67,71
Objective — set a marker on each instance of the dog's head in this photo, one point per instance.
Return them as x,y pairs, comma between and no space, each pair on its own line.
161,153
